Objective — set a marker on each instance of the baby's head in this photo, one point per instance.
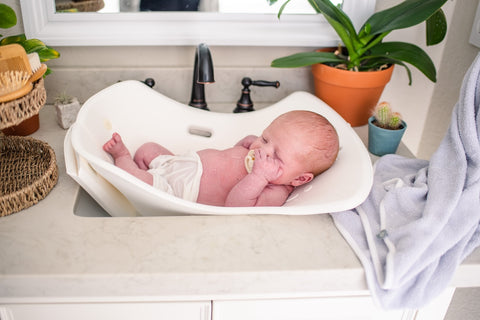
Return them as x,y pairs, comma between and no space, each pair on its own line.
306,143
316,135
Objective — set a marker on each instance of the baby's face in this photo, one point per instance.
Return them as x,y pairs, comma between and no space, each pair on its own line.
285,143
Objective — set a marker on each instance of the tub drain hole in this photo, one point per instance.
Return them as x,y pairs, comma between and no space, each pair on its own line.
200,132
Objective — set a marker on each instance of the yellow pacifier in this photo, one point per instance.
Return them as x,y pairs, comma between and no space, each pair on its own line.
249,160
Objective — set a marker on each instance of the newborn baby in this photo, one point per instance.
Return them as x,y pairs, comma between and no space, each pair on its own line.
257,171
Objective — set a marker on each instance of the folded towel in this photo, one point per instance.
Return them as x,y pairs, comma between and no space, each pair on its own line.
421,218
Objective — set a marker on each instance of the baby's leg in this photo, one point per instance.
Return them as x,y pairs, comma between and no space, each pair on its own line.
123,159
147,152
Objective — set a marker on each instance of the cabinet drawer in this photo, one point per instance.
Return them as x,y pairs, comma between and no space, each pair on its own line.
358,308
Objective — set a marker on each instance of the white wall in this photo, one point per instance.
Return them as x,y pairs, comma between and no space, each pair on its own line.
413,101
427,106
457,57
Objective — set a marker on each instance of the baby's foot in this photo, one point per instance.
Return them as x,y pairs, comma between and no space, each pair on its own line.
115,147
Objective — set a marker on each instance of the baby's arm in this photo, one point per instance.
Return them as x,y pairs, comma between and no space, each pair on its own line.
255,188
246,142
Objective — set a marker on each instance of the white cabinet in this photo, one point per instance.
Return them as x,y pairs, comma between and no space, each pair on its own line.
358,308
104,311
325,308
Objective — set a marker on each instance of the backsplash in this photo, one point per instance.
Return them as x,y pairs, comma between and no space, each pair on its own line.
83,71
176,83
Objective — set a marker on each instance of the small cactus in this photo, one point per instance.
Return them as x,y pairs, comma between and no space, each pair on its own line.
386,118
395,121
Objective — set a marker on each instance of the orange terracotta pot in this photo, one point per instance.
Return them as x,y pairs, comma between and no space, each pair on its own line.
352,94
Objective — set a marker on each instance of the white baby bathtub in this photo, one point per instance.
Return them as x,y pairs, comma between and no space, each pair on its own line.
141,114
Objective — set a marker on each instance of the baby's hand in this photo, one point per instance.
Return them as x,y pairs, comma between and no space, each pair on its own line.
266,167
247,141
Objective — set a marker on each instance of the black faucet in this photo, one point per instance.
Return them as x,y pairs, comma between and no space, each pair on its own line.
245,103
202,73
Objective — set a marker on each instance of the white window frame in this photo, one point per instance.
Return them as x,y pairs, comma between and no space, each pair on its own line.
182,28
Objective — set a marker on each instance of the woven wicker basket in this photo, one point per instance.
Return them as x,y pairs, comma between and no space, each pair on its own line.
14,112
28,171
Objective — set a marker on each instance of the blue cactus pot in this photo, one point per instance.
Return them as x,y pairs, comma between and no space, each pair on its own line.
383,141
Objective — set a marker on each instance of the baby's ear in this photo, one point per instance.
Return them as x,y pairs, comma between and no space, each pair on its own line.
302,179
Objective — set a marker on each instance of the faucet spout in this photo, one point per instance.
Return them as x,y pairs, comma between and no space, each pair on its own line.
202,74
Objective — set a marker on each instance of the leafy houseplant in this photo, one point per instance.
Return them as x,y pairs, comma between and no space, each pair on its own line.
385,130
365,50
8,19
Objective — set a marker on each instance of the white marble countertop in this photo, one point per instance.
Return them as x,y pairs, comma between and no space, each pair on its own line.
47,252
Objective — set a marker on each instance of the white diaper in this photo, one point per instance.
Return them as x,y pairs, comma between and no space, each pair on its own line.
178,175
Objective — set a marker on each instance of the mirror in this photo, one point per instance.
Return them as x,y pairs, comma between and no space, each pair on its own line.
215,22
224,6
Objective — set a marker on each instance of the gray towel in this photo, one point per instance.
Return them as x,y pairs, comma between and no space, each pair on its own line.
421,218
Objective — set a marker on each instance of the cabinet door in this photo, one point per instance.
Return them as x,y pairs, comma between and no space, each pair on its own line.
358,308
102,311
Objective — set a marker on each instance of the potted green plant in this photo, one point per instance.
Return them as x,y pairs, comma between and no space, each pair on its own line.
365,54
8,19
67,108
385,130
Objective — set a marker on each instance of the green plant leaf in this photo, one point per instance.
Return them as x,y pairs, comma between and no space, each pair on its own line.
333,13
8,18
404,15
48,53
365,50
365,31
33,45
409,53
12,39
436,28
372,63
280,11
330,10
306,59
343,26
